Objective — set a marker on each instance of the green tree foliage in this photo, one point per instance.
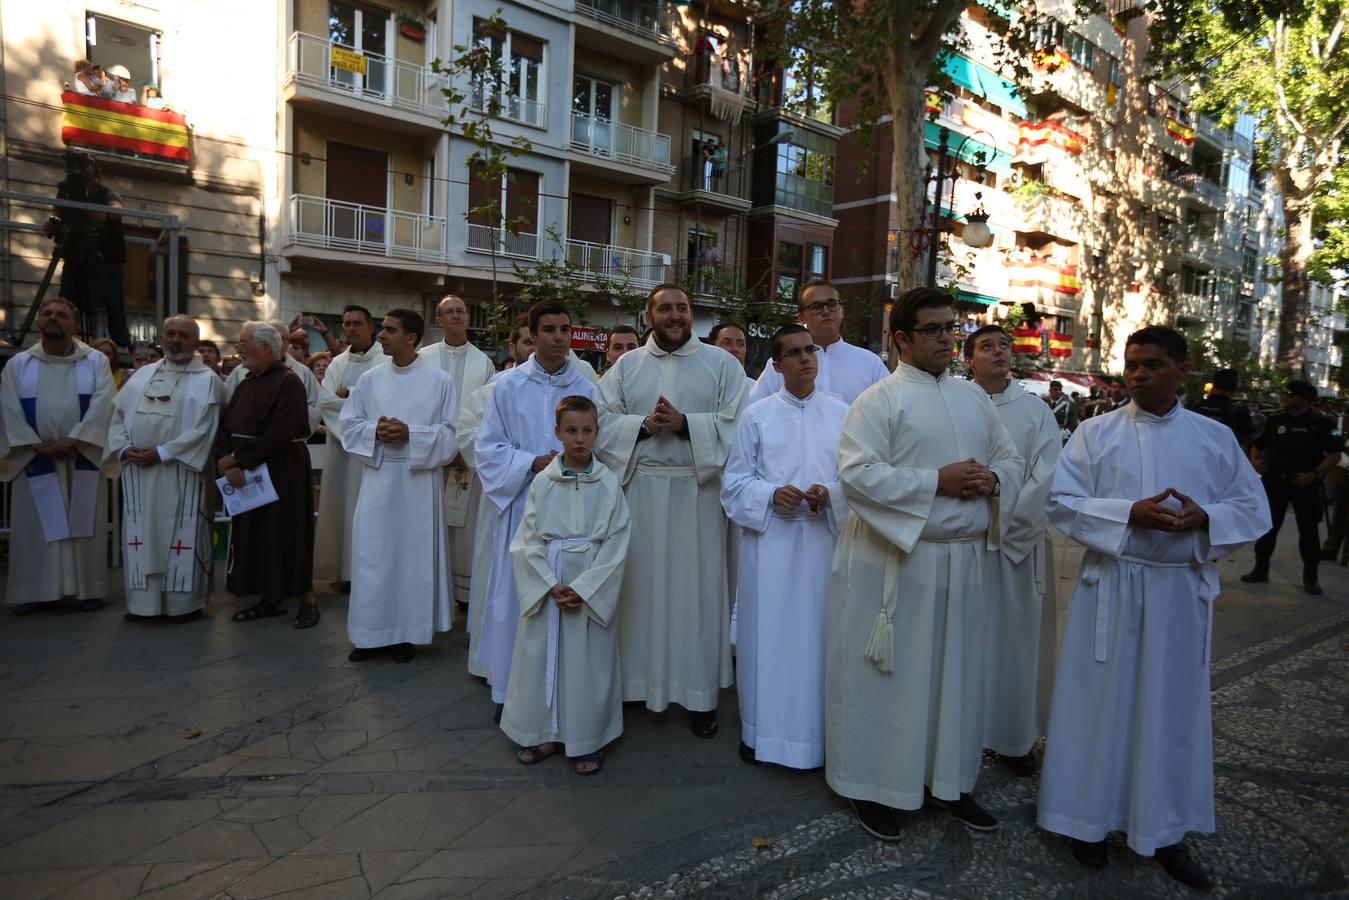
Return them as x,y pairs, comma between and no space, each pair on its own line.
1286,65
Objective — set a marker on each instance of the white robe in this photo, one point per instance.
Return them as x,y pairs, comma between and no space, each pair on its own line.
783,578
484,524
1023,621
846,370
565,683
469,368
675,627
311,387
400,574
1130,744
341,483
166,508
518,425
75,565
733,540
908,605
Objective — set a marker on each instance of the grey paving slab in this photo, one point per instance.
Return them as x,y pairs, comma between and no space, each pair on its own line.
105,835
411,822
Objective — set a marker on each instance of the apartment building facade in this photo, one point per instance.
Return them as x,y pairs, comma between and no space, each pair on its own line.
1111,205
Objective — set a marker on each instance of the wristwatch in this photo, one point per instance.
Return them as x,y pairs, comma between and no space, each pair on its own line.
646,427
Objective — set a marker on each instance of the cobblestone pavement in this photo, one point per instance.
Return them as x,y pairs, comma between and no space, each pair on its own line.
249,760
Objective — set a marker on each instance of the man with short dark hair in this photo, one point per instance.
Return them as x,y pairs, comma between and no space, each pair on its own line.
1296,446
342,473
730,337
210,355
516,441
667,422
1220,406
781,487
622,339
845,370
1063,408
931,477
1157,494
399,421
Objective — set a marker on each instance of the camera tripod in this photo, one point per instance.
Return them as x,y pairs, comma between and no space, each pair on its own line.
78,270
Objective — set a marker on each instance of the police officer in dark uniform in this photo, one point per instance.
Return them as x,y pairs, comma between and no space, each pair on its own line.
1220,406
1296,447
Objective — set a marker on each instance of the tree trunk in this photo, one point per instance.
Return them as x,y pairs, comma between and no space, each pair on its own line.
1294,303
908,100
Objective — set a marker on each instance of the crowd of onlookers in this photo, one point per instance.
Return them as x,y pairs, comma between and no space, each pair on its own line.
114,83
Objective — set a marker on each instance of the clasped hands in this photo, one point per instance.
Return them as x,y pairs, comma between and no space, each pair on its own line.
1150,513
565,597
229,467
665,418
141,456
789,497
60,449
966,480
389,430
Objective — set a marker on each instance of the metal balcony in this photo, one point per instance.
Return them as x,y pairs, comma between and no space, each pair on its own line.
367,230
516,109
620,143
639,268
643,19
486,239
389,82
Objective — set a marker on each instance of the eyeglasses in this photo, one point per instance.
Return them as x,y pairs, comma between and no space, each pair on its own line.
821,305
932,332
794,352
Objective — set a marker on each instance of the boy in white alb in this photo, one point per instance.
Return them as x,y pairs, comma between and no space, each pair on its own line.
567,556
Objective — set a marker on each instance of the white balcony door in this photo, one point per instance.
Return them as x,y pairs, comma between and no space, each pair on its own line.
595,100
357,26
357,186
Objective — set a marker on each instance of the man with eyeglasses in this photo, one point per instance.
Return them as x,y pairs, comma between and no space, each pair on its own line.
667,420
342,473
845,370
931,477
298,369
469,369
163,431
781,487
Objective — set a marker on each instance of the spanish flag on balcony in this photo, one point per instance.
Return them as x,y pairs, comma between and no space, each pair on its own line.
1181,132
933,102
1069,283
1052,133
1025,340
107,124
1060,345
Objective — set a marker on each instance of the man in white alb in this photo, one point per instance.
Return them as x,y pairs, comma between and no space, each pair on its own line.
342,473
781,488
667,421
1022,622
930,476
56,398
163,435
399,421
845,370
469,369
1157,494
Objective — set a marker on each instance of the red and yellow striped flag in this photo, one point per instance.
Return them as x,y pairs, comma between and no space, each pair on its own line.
1060,345
1025,340
124,126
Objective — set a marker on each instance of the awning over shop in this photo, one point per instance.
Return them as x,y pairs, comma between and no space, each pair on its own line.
985,82
994,160
972,297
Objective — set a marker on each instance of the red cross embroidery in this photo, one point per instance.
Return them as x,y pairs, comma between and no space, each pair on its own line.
179,548
136,543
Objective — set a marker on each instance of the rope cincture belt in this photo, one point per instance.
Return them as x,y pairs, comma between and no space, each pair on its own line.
1094,573
555,549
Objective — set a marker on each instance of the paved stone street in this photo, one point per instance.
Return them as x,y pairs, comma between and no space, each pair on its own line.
250,760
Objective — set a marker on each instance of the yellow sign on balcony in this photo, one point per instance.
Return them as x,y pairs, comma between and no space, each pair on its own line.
349,60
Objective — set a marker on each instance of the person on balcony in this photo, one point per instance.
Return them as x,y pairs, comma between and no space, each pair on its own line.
119,86
89,79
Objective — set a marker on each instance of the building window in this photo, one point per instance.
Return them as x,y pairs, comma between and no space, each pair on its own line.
717,63
1114,77
517,61
803,175
504,209
112,42
817,261
797,265
1081,51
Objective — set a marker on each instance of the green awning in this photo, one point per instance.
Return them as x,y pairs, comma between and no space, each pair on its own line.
984,82
972,297
1006,10
994,160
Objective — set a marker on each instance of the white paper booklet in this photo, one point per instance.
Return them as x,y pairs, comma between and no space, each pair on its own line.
257,491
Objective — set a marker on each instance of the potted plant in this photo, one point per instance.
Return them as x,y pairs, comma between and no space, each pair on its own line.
411,26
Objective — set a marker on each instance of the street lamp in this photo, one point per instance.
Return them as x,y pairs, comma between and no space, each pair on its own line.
977,233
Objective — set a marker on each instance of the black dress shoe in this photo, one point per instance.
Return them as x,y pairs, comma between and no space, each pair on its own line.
361,654
1313,588
877,820
1089,853
704,723
747,754
403,653
967,812
1178,863
1255,577
1020,765
185,617
91,604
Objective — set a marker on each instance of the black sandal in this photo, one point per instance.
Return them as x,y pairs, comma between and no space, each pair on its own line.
308,616
537,754
597,758
260,610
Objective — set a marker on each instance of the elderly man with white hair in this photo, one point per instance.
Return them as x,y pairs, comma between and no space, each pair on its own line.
312,393
163,431
265,423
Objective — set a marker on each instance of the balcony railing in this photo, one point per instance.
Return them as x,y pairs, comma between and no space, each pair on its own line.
644,19
1210,129
1195,306
620,143
373,230
640,268
484,238
1203,247
1203,189
1245,146
517,109
319,62
701,174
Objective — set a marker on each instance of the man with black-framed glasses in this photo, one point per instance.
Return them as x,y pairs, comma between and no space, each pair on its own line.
846,370
931,477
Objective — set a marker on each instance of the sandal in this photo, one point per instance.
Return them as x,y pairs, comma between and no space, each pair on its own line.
260,610
530,756
596,759
308,616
